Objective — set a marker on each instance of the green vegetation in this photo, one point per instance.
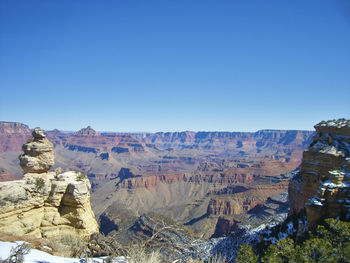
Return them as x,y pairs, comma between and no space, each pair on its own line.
335,123
39,184
329,242
330,140
246,255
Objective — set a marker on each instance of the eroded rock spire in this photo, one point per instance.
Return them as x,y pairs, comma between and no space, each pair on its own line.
38,154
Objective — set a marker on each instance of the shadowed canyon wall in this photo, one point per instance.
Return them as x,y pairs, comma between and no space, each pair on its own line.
323,185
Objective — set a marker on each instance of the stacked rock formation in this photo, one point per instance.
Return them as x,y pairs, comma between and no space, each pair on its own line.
46,204
323,185
38,154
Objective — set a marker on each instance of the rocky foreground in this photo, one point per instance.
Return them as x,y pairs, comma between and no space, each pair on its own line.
46,204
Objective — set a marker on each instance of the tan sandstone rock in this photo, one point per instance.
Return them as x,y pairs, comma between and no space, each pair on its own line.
38,154
46,204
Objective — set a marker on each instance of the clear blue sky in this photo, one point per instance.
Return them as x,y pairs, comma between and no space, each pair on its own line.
174,65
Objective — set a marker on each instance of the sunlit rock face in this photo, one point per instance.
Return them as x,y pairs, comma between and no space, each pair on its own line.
38,154
324,179
46,204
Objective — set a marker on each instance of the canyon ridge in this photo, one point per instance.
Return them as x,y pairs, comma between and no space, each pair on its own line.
210,182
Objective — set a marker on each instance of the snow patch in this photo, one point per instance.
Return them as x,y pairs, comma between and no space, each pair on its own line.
36,256
314,200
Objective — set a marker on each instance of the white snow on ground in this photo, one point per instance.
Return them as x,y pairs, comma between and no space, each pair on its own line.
336,172
37,256
330,184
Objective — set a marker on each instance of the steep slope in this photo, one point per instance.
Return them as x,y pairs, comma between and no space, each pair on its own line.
323,185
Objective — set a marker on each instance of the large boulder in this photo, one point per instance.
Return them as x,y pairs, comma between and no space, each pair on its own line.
47,205
38,154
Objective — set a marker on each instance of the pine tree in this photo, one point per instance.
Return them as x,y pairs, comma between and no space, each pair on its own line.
246,255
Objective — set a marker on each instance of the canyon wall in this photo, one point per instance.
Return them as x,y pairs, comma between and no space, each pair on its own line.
323,185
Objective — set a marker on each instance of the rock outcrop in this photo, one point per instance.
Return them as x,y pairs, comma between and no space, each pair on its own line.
224,227
219,206
38,154
88,131
323,185
234,200
46,204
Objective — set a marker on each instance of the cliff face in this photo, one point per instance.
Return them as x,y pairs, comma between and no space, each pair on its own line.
323,185
46,204
13,135
248,140
231,207
234,200
224,227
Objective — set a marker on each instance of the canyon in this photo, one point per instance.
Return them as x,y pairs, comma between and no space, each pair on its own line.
206,181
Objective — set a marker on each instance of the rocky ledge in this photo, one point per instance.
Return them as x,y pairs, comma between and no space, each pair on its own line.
323,185
46,204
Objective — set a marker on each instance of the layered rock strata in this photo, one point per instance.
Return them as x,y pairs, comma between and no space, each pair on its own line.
46,204
226,203
323,185
38,154
12,136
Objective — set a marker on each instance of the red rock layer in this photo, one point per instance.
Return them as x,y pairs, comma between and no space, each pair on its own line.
261,139
6,176
224,227
13,135
87,140
231,206
151,181
244,201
